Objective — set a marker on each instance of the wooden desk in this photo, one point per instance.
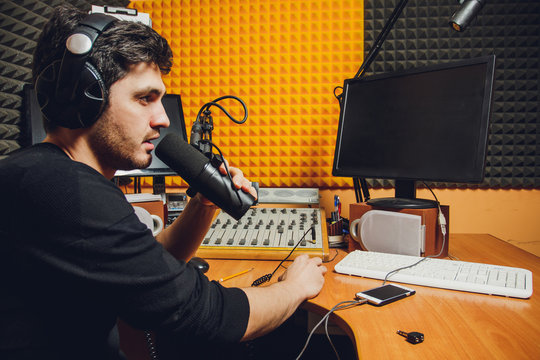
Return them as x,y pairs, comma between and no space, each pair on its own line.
456,325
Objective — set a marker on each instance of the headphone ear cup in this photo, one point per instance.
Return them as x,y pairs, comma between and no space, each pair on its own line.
92,95
45,90
70,91
84,109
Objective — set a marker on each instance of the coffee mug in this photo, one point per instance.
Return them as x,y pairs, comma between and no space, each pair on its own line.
153,222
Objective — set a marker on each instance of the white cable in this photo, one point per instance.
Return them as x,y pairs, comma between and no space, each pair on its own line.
338,306
442,223
328,337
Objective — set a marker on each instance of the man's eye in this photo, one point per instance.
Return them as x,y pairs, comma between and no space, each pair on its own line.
144,99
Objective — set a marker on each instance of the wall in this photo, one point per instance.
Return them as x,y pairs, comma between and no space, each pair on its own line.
285,58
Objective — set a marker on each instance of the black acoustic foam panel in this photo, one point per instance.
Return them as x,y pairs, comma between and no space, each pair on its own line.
20,25
508,29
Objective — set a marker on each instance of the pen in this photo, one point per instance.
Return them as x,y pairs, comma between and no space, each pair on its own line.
235,275
336,215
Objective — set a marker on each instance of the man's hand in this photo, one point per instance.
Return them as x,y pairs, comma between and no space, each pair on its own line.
183,237
239,181
306,275
271,305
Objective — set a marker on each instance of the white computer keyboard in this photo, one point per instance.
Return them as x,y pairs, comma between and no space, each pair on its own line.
440,273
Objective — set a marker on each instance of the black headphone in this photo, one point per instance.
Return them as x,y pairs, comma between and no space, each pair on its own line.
71,92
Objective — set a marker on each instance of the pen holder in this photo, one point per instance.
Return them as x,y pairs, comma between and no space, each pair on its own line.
335,234
335,228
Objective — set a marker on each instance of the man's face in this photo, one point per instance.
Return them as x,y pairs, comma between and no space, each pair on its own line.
121,136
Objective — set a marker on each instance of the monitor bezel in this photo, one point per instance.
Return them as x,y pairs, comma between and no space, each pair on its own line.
480,155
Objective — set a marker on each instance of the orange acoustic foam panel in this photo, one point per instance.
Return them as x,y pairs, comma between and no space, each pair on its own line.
283,59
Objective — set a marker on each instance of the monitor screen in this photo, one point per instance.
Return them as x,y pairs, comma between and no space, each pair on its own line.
173,107
423,124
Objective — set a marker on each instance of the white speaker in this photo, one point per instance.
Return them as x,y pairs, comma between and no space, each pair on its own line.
389,232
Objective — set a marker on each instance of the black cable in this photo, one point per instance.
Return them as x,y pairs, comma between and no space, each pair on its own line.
198,144
332,259
203,126
208,105
268,277
338,96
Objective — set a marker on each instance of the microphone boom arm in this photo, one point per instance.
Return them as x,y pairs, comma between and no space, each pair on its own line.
360,184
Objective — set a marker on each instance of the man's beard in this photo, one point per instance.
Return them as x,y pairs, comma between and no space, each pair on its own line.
113,149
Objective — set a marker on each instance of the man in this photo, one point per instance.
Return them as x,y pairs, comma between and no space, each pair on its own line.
74,255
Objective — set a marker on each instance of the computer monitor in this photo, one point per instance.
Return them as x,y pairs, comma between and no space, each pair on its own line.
173,107
424,124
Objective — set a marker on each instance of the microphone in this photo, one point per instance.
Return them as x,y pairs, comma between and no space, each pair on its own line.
203,175
466,13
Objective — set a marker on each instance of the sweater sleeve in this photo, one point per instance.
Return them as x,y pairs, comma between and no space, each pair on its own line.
155,291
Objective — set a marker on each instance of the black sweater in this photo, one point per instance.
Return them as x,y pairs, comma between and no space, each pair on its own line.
74,257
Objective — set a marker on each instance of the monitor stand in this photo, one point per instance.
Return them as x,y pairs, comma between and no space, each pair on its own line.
158,185
405,198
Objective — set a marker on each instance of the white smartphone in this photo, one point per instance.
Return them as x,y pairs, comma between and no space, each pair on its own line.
385,294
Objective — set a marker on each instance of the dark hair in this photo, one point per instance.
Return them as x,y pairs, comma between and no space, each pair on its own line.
121,45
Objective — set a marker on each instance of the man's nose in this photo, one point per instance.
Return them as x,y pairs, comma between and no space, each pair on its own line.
160,119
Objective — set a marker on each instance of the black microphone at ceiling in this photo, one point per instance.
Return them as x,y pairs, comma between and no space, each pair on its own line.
466,13
203,175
